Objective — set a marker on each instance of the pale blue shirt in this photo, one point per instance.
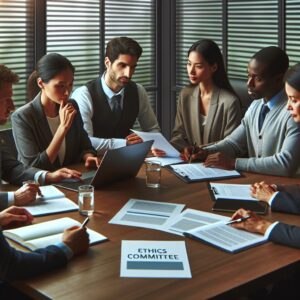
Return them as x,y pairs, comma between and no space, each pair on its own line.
39,176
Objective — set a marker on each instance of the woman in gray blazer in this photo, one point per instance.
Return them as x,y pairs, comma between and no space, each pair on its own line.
48,130
208,109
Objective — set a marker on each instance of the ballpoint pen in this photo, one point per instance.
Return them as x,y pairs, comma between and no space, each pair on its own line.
193,152
85,222
238,220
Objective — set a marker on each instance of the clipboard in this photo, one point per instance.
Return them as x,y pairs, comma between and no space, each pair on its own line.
188,180
232,205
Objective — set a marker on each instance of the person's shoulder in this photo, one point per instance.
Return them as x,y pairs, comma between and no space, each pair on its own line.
228,97
24,110
188,90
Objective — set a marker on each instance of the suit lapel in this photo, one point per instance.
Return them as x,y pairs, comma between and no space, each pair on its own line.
211,114
43,125
195,115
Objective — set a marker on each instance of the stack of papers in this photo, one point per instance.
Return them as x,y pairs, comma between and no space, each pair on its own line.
208,227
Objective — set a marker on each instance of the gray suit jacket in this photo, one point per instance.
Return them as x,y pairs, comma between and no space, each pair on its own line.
273,150
223,117
32,135
12,171
286,234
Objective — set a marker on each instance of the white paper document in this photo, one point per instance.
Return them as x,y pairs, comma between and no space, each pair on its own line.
52,201
226,237
190,219
197,171
154,259
160,142
165,161
147,214
231,191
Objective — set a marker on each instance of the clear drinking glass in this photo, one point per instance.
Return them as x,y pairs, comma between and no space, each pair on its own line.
153,174
86,200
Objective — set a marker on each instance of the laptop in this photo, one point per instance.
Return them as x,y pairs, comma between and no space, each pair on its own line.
116,164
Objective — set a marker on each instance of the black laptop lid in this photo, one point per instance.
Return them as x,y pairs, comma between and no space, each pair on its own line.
121,163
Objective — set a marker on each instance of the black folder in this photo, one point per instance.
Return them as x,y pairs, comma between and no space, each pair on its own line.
230,205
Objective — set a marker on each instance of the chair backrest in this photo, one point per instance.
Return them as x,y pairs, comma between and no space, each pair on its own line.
7,139
241,89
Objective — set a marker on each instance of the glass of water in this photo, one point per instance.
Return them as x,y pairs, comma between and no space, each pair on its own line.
153,170
86,200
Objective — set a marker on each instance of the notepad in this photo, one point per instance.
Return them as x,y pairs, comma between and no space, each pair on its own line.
226,237
197,172
47,233
52,201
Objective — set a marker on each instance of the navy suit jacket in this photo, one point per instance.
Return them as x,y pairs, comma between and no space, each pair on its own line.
12,171
287,200
16,264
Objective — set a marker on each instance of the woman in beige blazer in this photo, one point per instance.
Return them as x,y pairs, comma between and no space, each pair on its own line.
208,109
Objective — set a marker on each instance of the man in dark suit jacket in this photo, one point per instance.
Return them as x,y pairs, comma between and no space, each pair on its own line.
16,264
12,170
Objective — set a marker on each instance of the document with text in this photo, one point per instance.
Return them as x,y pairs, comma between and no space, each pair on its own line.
154,259
197,172
231,191
226,237
147,214
190,219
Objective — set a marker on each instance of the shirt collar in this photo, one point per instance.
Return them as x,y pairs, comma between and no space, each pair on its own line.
107,91
274,100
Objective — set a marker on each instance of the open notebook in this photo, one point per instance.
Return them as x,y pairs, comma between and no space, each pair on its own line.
47,233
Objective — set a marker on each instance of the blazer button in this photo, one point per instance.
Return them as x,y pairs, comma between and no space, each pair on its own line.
260,137
259,156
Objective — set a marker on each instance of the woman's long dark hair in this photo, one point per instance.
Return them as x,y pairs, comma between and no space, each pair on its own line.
47,68
212,54
292,77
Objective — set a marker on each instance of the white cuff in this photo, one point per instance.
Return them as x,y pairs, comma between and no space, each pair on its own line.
10,199
270,228
272,198
40,177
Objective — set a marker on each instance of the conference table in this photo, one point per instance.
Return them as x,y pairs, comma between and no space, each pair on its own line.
215,273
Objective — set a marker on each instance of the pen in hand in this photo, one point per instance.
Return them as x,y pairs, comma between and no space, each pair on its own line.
238,220
193,152
85,222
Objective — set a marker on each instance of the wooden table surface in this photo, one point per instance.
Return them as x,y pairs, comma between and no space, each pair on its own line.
214,273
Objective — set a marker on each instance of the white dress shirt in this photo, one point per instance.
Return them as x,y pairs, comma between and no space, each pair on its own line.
146,116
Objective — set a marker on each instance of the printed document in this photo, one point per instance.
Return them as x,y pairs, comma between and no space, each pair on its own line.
231,191
154,259
226,237
190,219
147,214
197,171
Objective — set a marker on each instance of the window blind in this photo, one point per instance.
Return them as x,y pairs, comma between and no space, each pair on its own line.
16,41
72,29
293,31
252,25
136,19
195,20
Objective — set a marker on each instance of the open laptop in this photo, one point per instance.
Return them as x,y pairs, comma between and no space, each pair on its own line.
116,164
